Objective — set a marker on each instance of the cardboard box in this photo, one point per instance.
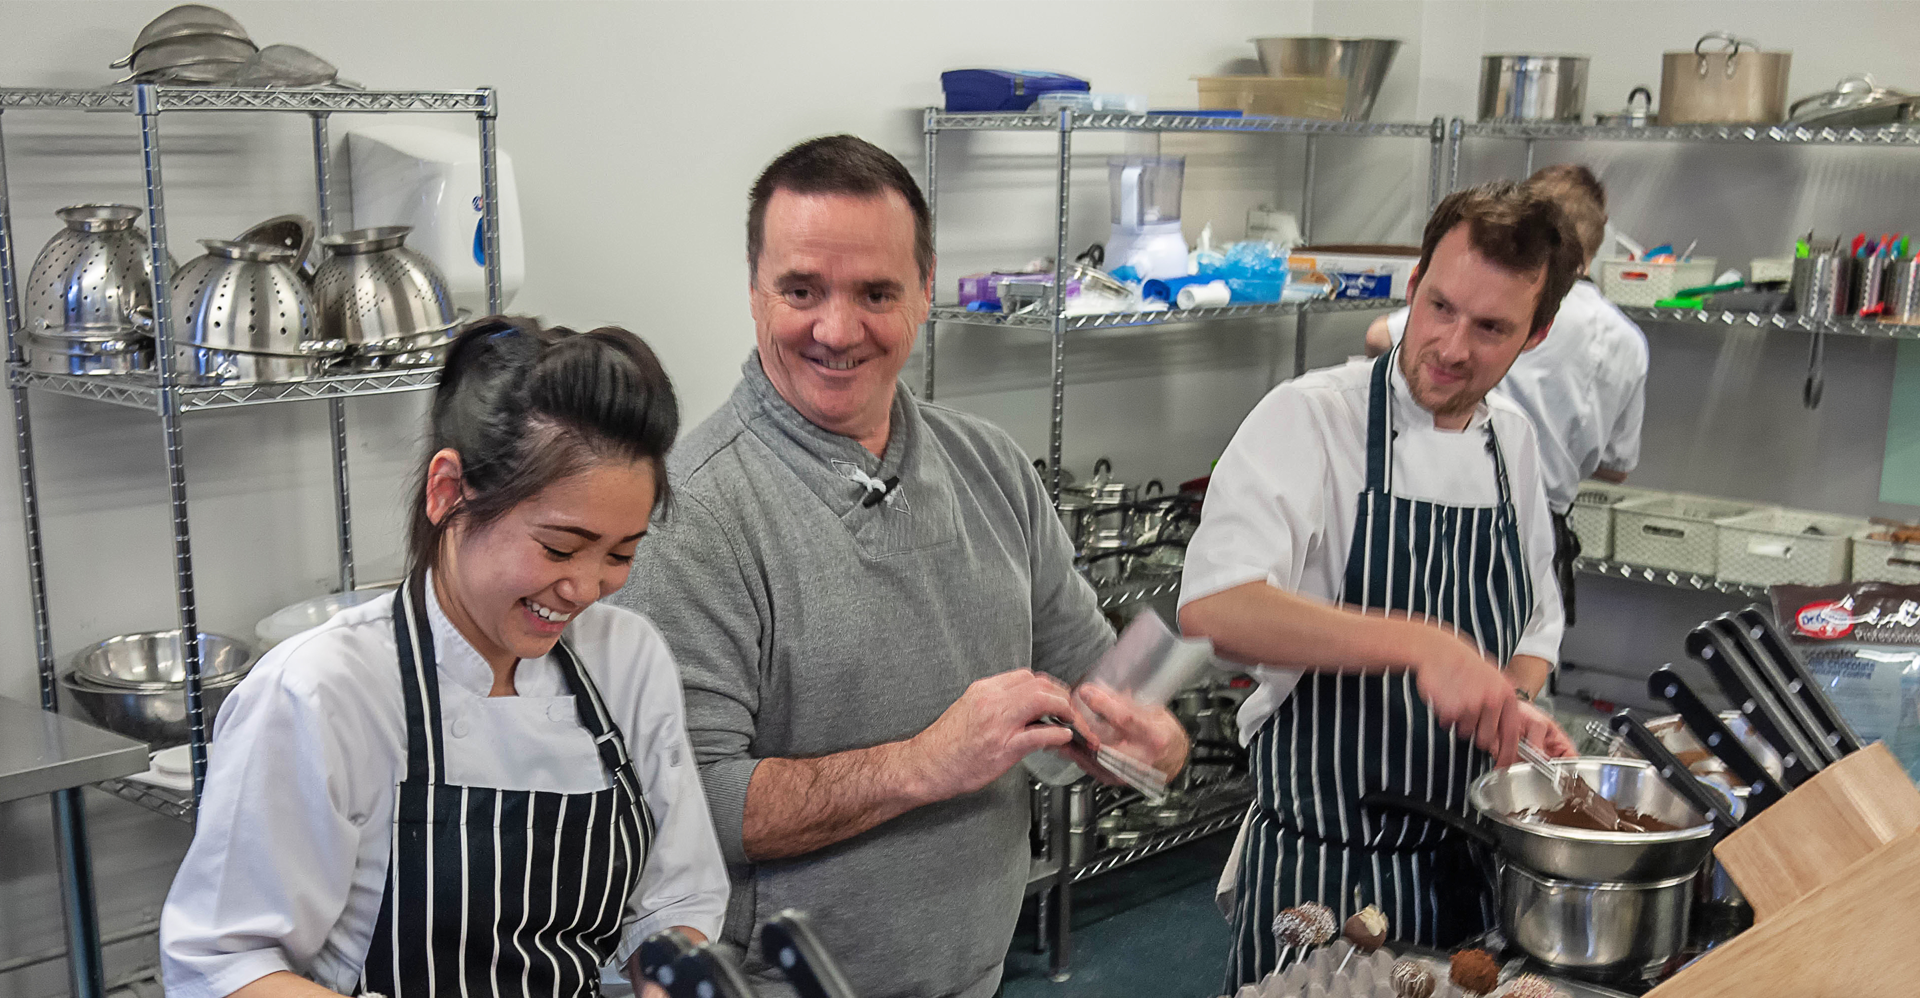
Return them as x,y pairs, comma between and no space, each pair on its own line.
1283,96
1364,270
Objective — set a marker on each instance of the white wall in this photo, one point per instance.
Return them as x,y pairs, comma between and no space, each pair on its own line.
636,129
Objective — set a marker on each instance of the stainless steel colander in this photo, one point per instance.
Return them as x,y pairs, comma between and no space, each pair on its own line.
295,232
91,280
245,315
380,297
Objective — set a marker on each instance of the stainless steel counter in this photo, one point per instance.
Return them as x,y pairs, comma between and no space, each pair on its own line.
43,753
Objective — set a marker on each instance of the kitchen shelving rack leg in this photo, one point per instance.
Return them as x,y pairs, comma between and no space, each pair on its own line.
932,192
336,407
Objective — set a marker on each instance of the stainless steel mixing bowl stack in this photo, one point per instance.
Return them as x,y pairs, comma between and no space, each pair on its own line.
135,684
389,304
89,301
246,316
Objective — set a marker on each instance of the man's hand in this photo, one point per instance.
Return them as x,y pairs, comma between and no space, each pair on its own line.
1150,735
1466,692
988,730
1538,728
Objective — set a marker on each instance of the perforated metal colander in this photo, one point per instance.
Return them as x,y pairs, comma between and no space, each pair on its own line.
91,279
247,297
379,296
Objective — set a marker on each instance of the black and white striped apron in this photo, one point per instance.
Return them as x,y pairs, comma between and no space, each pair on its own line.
1340,736
501,892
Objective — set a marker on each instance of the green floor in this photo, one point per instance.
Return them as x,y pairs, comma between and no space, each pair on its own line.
1148,930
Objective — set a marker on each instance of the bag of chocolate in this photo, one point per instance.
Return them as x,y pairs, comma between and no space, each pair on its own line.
1861,640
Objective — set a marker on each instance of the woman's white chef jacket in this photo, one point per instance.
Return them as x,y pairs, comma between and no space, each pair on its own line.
1280,505
289,856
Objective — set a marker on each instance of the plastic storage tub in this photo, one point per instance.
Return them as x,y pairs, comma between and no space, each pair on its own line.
1592,515
1677,533
1634,282
1884,561
1773,547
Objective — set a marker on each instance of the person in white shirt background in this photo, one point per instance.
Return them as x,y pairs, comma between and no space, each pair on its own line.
482,783
1584,387
1376,544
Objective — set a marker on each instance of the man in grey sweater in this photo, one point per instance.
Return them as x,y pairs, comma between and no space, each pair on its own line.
872,604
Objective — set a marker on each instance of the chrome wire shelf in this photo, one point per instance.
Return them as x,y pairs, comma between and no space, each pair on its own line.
1039,319
142,391
1775,320
1041,121
122,98
175,804
1891,135
1219,808
1663,577
1127,593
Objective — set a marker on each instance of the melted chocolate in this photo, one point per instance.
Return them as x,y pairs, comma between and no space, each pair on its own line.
1571,815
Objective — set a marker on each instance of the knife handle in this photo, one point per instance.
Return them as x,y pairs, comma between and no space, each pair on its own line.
1704,648
788,942
1840,735
1785,689
1674,772
715,966
657,955
1762,788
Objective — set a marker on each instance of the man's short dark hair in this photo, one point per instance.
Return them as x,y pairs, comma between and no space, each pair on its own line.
1580,195
838,164
1517,227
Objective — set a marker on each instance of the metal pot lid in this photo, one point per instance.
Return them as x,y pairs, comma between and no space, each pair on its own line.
99,217
373,240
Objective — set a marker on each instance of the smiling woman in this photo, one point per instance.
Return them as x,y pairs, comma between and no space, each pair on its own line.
489,731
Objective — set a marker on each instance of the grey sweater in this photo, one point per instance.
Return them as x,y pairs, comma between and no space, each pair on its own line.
806,624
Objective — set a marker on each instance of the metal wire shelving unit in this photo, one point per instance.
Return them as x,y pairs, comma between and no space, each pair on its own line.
169,394
1053,876
1665,577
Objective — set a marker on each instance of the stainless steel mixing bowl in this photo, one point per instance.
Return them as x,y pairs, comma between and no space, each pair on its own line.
155,660
157,717
91,279
380,297
1580,854
1361,62
87,355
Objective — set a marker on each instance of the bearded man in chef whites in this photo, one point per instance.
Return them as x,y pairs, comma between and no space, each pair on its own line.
872,604
1376,546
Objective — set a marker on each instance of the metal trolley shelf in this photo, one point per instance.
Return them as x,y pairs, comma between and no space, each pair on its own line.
1663,577
1217,808
1775,320
167,394
1892,135
1044,121
143,391
1126,320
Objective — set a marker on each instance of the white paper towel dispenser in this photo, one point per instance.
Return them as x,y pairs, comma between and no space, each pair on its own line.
430,179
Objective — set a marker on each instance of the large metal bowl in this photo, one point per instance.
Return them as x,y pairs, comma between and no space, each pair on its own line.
153,661
1580,854
157,717
1361,62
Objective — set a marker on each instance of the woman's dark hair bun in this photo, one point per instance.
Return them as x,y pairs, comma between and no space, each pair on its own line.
526,405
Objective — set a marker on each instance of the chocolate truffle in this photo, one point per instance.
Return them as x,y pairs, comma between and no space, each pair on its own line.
1412,979
1475,970
1320,917
1366,928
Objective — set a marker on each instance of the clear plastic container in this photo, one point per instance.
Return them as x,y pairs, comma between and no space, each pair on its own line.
1146,189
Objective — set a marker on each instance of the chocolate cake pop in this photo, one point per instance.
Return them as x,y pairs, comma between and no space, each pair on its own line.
1412,979
1308,924
1474,970
1364,932
1528,986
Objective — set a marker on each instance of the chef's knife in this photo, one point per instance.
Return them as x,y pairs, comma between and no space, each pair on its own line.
1833,726
1785,691
711,970
1753,701
1706,725
1674,772
657,955
788,942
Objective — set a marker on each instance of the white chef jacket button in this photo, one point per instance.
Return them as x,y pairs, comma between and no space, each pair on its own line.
556,712
460,727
